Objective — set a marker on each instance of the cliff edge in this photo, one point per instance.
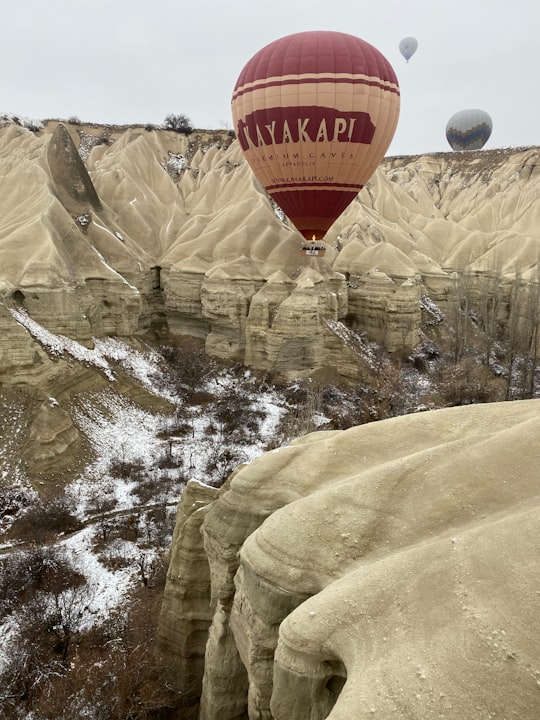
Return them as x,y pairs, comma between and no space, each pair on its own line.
385,571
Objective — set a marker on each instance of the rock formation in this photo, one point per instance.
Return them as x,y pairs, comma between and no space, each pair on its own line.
188,592
51,237
123,231
385,571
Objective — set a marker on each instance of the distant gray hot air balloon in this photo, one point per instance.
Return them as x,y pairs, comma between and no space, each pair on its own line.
407,47
469,129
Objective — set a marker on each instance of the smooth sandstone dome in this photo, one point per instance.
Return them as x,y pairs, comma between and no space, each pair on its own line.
388,571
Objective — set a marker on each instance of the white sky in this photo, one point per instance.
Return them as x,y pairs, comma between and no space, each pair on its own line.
136,61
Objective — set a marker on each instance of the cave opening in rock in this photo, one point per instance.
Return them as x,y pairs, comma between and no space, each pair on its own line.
18,298
156,277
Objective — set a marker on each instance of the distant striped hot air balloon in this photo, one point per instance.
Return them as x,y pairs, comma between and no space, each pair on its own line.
314,113
469,129
407,47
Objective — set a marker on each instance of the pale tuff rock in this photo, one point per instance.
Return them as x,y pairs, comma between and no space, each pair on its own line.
138,191
51,236
226,294
388,570
286,320
381,256
150,231
187,593
51,434
71,182
182,294
390,309
20,357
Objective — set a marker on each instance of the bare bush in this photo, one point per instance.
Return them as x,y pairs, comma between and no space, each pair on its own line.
126,527
468,382
40,568
179,123
235,413
124,467
303,415
222,460
170,459
101,503
190,367
27,680
12,501
114,675
45,519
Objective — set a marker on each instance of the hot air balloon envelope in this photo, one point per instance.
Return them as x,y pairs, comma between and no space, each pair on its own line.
407,47
469,129
314,113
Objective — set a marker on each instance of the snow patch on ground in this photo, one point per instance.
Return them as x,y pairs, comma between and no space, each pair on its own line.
128,446
59,345
105,589
119,431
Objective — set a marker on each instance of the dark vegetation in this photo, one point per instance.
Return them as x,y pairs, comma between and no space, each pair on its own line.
178,123
62,664
61,672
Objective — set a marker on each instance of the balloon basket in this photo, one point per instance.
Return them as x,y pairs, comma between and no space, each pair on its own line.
313,250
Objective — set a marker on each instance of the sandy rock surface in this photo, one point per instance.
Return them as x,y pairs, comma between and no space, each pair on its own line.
390,570
108,230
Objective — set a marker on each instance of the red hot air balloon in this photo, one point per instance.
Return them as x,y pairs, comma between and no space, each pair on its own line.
314,113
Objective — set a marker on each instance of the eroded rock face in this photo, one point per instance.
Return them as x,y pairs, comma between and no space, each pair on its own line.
388,308
52,231
123,231
226,294
70,181
286,321
51,434
388,570
188,592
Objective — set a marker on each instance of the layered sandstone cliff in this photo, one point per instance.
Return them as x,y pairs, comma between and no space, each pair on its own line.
123,231
385,571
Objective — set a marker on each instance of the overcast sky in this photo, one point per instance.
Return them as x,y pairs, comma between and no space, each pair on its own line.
129,61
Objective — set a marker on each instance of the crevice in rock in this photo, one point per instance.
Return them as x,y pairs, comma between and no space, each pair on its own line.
156,277
334,685
18,298
156,302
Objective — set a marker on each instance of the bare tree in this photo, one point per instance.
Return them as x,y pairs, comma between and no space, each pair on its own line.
522,339
179,123
101,502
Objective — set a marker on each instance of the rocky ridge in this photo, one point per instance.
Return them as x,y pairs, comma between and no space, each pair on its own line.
122,231
385,571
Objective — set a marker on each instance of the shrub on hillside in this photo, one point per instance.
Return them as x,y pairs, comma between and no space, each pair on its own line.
45,519
468,382
179,123
190,367
113,674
